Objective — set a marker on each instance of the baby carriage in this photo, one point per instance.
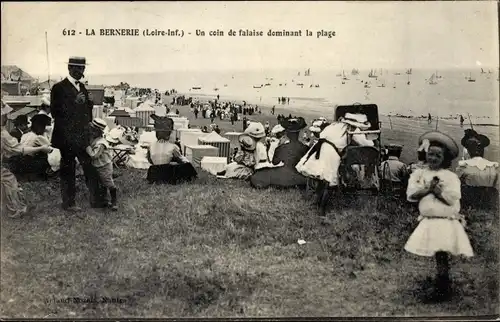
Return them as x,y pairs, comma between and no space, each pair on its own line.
359,165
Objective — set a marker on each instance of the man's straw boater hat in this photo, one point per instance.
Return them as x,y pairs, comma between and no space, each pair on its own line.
98,124
77,61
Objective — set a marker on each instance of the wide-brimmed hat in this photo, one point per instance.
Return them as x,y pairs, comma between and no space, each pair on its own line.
444,139
357,120
98,124
163,123
293,124
469,134
318,125
77,61
277,129
255,130
41,119
247,142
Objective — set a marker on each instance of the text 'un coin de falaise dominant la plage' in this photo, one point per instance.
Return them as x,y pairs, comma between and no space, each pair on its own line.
199,33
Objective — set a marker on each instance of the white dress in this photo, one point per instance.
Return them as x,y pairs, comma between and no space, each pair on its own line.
326,167
439,228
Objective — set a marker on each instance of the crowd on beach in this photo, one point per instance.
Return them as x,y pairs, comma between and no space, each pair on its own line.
339,153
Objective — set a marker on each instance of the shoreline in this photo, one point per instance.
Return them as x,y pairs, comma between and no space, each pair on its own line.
311,114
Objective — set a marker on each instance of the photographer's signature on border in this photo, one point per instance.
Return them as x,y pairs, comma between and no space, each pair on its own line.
85,300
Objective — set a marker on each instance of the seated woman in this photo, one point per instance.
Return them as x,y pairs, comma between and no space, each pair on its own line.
479,176
244,161
394,173
278,138
168,165
35,166
289,154
13,204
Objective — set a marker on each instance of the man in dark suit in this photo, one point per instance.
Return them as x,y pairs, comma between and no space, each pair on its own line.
71,108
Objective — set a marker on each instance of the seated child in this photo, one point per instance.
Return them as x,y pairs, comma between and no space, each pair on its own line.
243,163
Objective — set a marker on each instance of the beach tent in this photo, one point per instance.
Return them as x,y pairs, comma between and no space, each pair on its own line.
233,137
144,112
217,141
189,136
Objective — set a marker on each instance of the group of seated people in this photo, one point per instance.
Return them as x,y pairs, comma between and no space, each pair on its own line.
35,133
478,176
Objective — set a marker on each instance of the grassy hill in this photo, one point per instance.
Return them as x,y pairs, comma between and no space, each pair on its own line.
218,248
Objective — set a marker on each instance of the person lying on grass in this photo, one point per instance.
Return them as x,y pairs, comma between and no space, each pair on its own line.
440,232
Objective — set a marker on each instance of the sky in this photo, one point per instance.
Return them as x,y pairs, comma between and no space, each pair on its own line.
368,35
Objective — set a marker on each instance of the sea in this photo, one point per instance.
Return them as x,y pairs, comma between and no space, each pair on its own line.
442,93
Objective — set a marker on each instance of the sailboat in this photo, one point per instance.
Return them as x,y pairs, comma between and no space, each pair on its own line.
381,84
409,71
394,85
482,71
355,72
372,74
432,80
307,72
470,79
344,77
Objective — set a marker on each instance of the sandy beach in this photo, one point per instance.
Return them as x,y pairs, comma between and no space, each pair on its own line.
398,130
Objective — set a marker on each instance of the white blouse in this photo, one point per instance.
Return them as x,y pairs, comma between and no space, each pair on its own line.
430,206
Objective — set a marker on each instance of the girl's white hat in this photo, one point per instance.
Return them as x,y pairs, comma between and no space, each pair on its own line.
255,130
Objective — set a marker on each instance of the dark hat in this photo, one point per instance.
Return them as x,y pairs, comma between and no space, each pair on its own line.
21,120
163,123
394,147
77,61
41,119
293,124
469,134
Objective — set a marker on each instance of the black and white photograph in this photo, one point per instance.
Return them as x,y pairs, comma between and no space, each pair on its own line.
270,159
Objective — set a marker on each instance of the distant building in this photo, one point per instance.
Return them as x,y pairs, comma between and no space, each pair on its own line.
12,73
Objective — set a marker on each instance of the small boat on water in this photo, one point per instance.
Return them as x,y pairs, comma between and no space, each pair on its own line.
372,74
267,84
432,80
196,87
257,86
300,84
225,85
216,89
470,79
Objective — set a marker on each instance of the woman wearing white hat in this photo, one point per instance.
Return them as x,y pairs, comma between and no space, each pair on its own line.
12,202
322,161
279,138
288,154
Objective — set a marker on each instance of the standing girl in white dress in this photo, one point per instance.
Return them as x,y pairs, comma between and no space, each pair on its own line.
440,232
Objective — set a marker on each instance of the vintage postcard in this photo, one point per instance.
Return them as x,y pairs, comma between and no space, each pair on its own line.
249,159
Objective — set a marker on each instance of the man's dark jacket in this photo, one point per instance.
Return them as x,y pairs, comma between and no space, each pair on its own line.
71,118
